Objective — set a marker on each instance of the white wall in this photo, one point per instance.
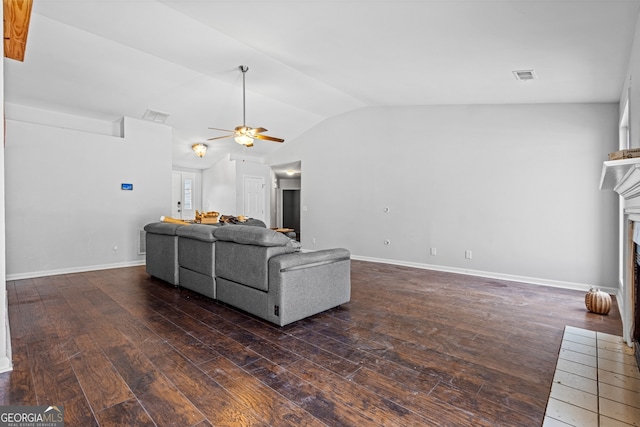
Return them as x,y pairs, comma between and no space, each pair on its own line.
5,334
219,187
259,170
222,186
631,91
65,209
515,184
29,114
289,184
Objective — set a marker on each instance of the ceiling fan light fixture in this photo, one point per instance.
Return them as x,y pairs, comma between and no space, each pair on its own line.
244,140
200,149
244,135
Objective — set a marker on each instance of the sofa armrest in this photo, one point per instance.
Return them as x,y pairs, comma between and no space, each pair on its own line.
305,283
299,260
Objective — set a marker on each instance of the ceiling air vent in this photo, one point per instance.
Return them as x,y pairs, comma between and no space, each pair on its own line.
525,75
155,116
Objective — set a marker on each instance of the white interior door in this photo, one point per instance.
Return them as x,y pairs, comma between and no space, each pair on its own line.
254,197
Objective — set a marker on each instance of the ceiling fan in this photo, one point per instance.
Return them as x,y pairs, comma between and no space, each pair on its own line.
244,135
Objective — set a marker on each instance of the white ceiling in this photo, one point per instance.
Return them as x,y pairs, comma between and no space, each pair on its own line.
309,59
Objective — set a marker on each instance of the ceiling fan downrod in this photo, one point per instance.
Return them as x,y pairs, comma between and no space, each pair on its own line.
244,69
245,135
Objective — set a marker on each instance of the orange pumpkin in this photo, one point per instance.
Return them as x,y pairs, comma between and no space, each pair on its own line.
597,301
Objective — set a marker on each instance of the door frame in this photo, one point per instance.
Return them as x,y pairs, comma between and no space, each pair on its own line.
179,211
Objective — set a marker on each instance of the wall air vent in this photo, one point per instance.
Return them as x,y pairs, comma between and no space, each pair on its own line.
155,116
525,75
142,242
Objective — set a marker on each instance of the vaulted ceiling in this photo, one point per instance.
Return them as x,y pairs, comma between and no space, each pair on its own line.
310,60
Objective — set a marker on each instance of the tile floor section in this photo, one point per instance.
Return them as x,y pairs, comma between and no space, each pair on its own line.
596,383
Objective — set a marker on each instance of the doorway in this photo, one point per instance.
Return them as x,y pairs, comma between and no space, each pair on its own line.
183,195
291,210
287,196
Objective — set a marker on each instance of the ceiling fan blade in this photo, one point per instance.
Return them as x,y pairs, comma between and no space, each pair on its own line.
223,130
219,137
258,130
269,138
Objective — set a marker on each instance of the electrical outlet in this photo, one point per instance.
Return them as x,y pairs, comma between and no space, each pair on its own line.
468,254
433,252
313,240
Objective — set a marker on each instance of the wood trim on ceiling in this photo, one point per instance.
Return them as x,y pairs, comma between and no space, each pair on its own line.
17,14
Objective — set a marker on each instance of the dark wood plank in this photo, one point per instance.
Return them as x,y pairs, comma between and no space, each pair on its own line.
53,378
415,394
216,403
272,408
16,387
373,408
321,404
413,347
127,413
161,399
102,384
491,413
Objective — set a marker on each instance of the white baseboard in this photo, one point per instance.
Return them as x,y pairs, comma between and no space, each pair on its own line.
486,274
82,269
6,360
490,275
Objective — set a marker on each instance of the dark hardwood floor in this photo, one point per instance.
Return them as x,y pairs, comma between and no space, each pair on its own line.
412,348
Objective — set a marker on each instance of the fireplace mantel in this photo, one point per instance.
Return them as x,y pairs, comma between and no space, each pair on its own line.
623,177
624,172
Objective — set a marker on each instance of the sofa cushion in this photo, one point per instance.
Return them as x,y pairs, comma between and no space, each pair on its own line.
197,255
251,221
167,228
255,223
250,235
198,232
247,265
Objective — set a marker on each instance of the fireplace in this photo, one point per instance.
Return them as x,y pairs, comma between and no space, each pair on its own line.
623,177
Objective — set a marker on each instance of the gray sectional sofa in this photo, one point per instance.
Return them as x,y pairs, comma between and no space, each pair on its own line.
196,258
162,251
163,260
250,267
